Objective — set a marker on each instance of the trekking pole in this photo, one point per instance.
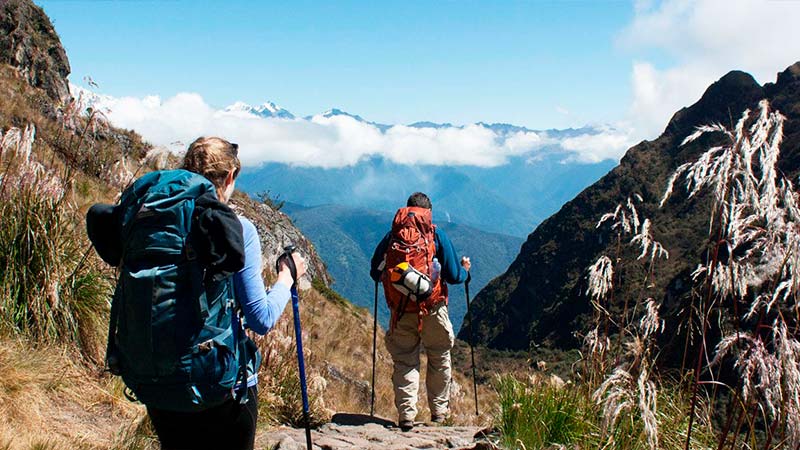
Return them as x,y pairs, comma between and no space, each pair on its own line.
287,258
374,345
472,344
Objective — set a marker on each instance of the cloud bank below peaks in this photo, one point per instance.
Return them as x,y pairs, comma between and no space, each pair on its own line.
338,140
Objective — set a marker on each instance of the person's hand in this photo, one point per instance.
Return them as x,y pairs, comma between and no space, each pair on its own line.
285,274
465,263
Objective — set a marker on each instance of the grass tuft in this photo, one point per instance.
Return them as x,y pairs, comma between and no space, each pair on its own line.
50,290
540,414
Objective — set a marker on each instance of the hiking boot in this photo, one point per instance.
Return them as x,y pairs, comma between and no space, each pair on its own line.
406,425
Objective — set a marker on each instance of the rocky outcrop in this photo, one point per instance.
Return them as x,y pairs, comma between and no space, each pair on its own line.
276,231
541,298
29,43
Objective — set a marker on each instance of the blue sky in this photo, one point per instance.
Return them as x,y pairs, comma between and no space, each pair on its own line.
623,66
399,62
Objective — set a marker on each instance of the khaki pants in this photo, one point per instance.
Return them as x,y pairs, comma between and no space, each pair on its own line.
403,344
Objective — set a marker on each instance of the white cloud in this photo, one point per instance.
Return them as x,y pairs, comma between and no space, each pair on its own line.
658,94
592,148
705,39
334,141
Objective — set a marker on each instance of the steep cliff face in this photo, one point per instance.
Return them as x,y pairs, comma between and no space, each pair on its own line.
541,299
29,43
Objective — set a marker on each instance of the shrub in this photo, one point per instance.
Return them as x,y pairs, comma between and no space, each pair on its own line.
268,199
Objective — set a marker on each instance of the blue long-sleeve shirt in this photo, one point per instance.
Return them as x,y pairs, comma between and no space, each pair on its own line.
452,272
261,308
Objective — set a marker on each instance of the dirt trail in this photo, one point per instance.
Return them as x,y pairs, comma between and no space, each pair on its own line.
352,431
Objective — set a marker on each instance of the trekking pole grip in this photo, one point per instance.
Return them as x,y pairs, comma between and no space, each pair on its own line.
286,258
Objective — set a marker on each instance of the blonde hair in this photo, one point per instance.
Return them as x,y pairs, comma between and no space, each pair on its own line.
213,158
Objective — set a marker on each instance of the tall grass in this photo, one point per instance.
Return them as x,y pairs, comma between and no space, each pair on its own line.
279,385
753,271
49,289
140,435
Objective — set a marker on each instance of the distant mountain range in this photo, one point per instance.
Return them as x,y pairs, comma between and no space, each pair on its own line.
269,109
346,237
510,199
486,211
496,177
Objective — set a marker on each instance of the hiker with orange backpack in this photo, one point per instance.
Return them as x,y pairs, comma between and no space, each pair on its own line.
414,262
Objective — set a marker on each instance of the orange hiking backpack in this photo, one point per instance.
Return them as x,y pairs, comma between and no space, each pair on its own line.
409,265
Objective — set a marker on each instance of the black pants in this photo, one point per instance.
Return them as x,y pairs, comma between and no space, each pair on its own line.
230,425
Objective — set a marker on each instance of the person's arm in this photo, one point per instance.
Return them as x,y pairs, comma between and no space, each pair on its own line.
452,271
377,258
261,309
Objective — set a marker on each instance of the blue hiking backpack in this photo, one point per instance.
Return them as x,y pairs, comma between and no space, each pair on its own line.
171,335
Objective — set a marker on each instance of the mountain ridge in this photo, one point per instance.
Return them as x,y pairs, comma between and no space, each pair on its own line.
541,300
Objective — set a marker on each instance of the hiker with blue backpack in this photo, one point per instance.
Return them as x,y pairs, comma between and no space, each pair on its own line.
189,284
415,261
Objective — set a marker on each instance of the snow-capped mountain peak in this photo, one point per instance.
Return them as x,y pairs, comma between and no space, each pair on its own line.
338,112
270,109
239,106
266,110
